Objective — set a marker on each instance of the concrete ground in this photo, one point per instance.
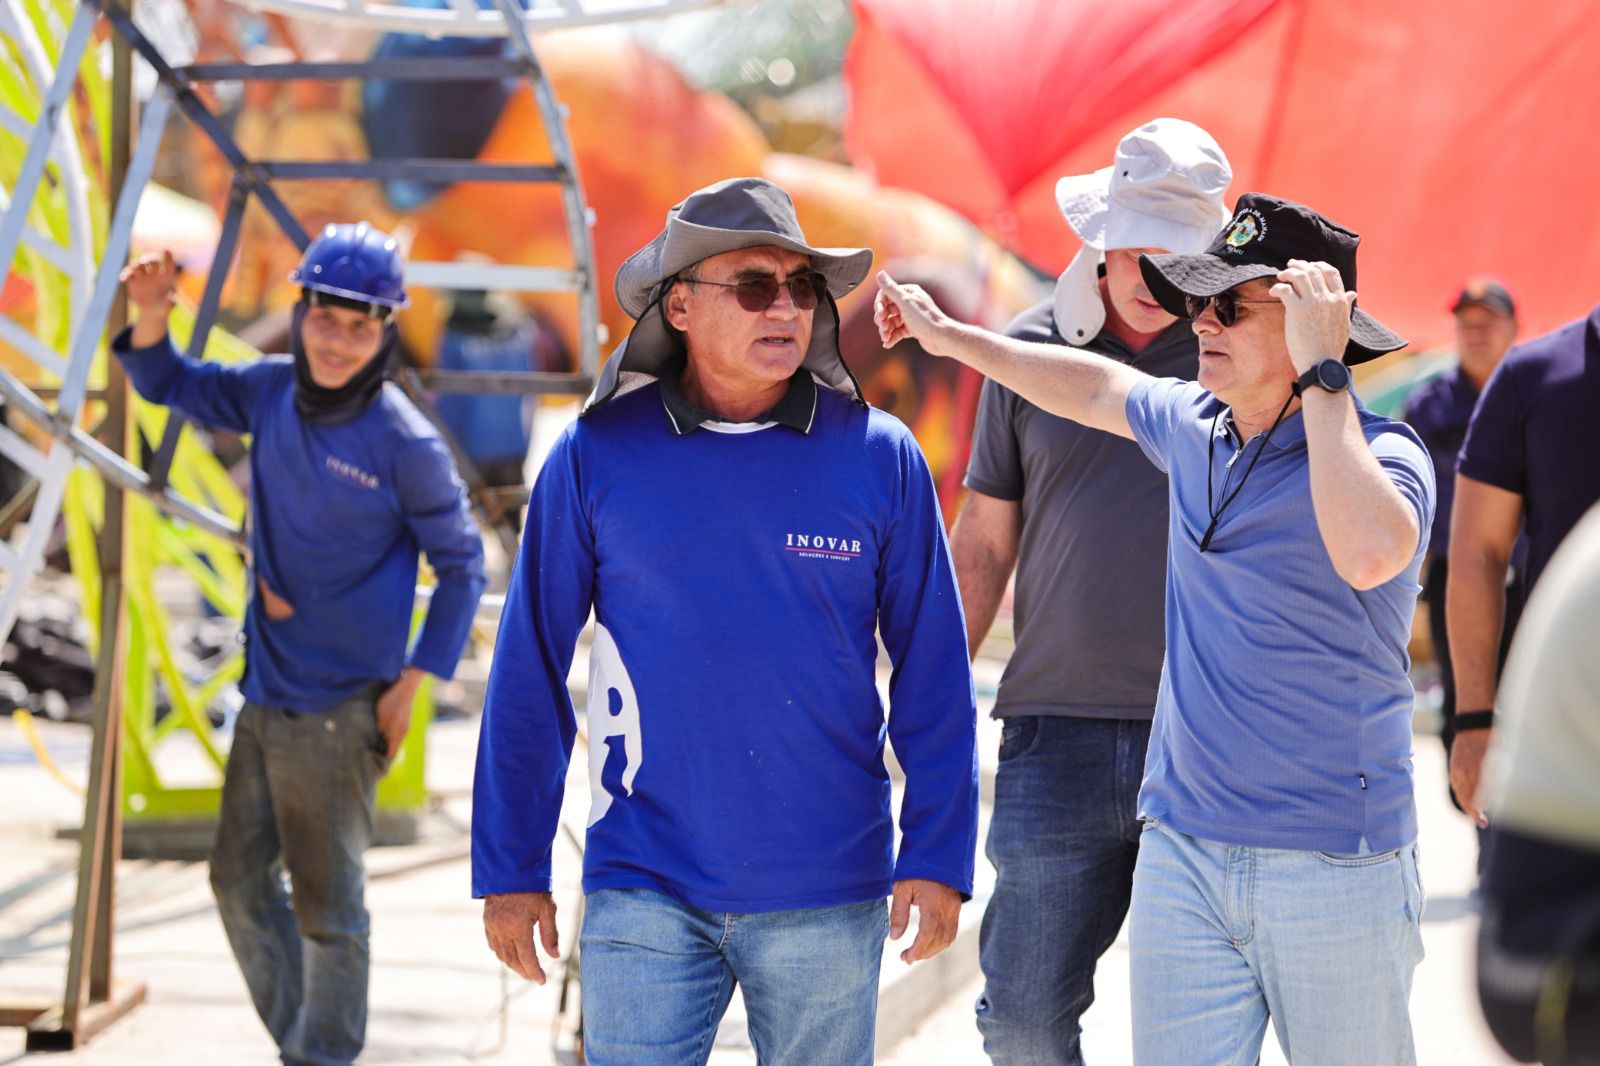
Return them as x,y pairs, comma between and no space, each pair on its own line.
438,996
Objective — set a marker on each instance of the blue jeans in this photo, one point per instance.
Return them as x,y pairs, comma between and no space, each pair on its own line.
1063,841
1224,937
658,974
298,796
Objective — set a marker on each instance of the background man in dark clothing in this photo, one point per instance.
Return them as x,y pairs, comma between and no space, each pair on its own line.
1486,325
1529,464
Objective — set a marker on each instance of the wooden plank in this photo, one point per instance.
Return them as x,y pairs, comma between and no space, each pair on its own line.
16,1014
47,1033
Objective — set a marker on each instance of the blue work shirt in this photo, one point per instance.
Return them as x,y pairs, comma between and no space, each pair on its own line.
338,516
740,576
1284,716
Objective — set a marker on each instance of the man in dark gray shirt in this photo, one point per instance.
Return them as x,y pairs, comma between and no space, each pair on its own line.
1082,516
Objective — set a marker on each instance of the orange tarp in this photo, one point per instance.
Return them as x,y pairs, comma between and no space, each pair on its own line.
1457,137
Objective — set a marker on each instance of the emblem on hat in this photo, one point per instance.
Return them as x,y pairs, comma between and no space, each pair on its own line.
1247,226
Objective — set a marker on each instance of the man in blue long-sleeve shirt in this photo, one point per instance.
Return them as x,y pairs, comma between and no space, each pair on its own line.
348,483
743,527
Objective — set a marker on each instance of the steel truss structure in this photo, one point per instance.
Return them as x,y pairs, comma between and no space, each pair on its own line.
52,398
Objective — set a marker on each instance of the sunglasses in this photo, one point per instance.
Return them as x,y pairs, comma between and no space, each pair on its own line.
1226,304
759,293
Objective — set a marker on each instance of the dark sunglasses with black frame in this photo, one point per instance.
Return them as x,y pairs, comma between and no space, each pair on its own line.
759,292
1226,304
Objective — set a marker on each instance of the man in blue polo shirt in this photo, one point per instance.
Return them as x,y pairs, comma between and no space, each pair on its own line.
1485,326
1277,872
1083,516
348,482
744,527
1528,464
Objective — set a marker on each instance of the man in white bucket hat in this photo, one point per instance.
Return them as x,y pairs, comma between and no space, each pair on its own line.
1082,516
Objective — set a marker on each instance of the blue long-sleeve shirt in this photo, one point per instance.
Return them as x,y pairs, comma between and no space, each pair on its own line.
338,516
736,735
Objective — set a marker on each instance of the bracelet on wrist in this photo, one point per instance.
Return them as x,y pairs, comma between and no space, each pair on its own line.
1465,721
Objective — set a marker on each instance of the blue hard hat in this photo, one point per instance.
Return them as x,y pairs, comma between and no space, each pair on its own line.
354,261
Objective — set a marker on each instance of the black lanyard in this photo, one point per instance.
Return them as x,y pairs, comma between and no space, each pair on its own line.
1211,462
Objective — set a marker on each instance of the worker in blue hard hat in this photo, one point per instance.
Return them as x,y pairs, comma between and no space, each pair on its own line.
348,484
352,281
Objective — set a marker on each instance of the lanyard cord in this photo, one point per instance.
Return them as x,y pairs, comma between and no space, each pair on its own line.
1211,454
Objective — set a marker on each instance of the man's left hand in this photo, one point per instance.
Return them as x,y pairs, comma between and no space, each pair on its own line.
1466,769
938,913
394,708
1316,315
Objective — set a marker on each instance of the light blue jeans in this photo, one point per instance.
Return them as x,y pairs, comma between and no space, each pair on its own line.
1224,937
658,974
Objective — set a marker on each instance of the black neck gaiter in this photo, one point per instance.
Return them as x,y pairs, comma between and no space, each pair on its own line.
321,406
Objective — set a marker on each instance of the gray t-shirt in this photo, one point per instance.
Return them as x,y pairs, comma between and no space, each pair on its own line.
1092,562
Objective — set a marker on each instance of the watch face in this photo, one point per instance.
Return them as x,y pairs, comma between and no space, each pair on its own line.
1333,375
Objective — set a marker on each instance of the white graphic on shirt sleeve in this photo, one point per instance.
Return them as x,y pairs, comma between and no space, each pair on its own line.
613,712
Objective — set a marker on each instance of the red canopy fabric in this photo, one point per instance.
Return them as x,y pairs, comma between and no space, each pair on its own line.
1455,135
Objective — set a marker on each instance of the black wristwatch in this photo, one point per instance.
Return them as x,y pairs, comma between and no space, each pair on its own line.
1329,374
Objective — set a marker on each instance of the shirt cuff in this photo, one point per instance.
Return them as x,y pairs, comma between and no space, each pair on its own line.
122,344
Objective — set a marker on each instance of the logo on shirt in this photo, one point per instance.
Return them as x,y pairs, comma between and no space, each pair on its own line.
350,472
819,546
616,743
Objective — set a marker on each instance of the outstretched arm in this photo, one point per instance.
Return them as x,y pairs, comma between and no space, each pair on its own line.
1088,389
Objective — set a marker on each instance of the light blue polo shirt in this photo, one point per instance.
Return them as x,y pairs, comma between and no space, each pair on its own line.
1284,715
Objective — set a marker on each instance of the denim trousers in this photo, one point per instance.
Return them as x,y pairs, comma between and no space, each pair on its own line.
657,976
1063,840
1224,937
297,797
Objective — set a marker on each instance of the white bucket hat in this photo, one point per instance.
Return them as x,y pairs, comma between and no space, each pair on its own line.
1164,191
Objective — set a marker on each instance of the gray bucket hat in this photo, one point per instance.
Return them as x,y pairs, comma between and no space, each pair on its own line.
724,217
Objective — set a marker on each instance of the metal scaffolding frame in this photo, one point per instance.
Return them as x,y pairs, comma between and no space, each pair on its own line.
254,178
55,404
